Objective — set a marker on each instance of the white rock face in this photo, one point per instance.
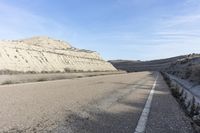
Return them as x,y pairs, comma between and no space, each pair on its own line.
40,54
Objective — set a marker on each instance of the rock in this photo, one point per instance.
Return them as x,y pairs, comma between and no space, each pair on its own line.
43,54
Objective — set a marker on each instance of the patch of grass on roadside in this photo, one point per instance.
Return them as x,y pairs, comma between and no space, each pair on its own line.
7,82
41,79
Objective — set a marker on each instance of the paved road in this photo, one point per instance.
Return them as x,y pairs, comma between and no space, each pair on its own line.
103,104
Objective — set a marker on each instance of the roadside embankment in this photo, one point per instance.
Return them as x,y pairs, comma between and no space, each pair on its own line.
26,78
187,95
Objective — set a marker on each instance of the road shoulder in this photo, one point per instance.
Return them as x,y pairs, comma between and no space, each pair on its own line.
166,116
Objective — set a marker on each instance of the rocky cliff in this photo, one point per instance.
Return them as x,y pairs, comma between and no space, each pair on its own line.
43,54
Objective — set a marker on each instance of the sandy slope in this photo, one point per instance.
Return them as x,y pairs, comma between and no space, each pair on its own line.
46,54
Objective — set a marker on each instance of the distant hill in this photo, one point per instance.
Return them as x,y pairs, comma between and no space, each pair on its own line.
154,65
185,66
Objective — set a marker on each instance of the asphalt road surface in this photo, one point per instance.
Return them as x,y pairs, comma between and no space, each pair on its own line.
103,104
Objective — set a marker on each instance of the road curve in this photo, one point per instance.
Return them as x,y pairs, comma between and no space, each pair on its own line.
103,104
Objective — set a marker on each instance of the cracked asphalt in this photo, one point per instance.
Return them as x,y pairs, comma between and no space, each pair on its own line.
103,104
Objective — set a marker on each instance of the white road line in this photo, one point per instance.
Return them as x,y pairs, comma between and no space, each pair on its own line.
141,126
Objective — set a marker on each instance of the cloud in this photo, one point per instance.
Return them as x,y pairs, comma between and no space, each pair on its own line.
18,23
185,20
181,28
177,35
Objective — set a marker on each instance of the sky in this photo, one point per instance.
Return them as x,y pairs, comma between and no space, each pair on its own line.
117,29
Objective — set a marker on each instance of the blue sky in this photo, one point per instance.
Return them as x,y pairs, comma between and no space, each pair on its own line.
117,29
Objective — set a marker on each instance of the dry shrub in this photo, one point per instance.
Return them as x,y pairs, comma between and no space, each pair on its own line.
196,73
188,73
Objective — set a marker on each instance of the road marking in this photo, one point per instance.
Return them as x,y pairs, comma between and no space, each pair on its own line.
141,126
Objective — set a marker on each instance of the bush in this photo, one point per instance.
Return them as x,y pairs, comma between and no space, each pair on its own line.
166,78
31,72
175,92
41,79
188,73
183,100
194,109
44,72
67,69
188,104
7,82
196,73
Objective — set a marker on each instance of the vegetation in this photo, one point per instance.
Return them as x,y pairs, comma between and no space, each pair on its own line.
196,73
42,79
7,82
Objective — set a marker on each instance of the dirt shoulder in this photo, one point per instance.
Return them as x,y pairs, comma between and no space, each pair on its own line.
26,78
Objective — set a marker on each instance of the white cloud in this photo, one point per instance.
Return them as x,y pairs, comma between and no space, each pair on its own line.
185,20
18,23
181,29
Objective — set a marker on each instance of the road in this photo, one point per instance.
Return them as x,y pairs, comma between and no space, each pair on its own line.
102,104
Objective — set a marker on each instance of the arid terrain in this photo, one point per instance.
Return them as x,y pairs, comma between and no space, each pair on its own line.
69,90
47,55
40,77
154,65
185,67
99,66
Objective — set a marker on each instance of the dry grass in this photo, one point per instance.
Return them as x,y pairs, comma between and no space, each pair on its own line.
7,82
42,79
196,73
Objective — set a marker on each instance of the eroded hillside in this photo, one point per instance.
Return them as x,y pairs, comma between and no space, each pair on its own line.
43,54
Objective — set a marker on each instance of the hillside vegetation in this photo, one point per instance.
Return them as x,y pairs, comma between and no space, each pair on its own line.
154,65
184,67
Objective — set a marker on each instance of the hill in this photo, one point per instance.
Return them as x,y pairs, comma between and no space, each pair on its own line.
154,65
44,54
185,66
